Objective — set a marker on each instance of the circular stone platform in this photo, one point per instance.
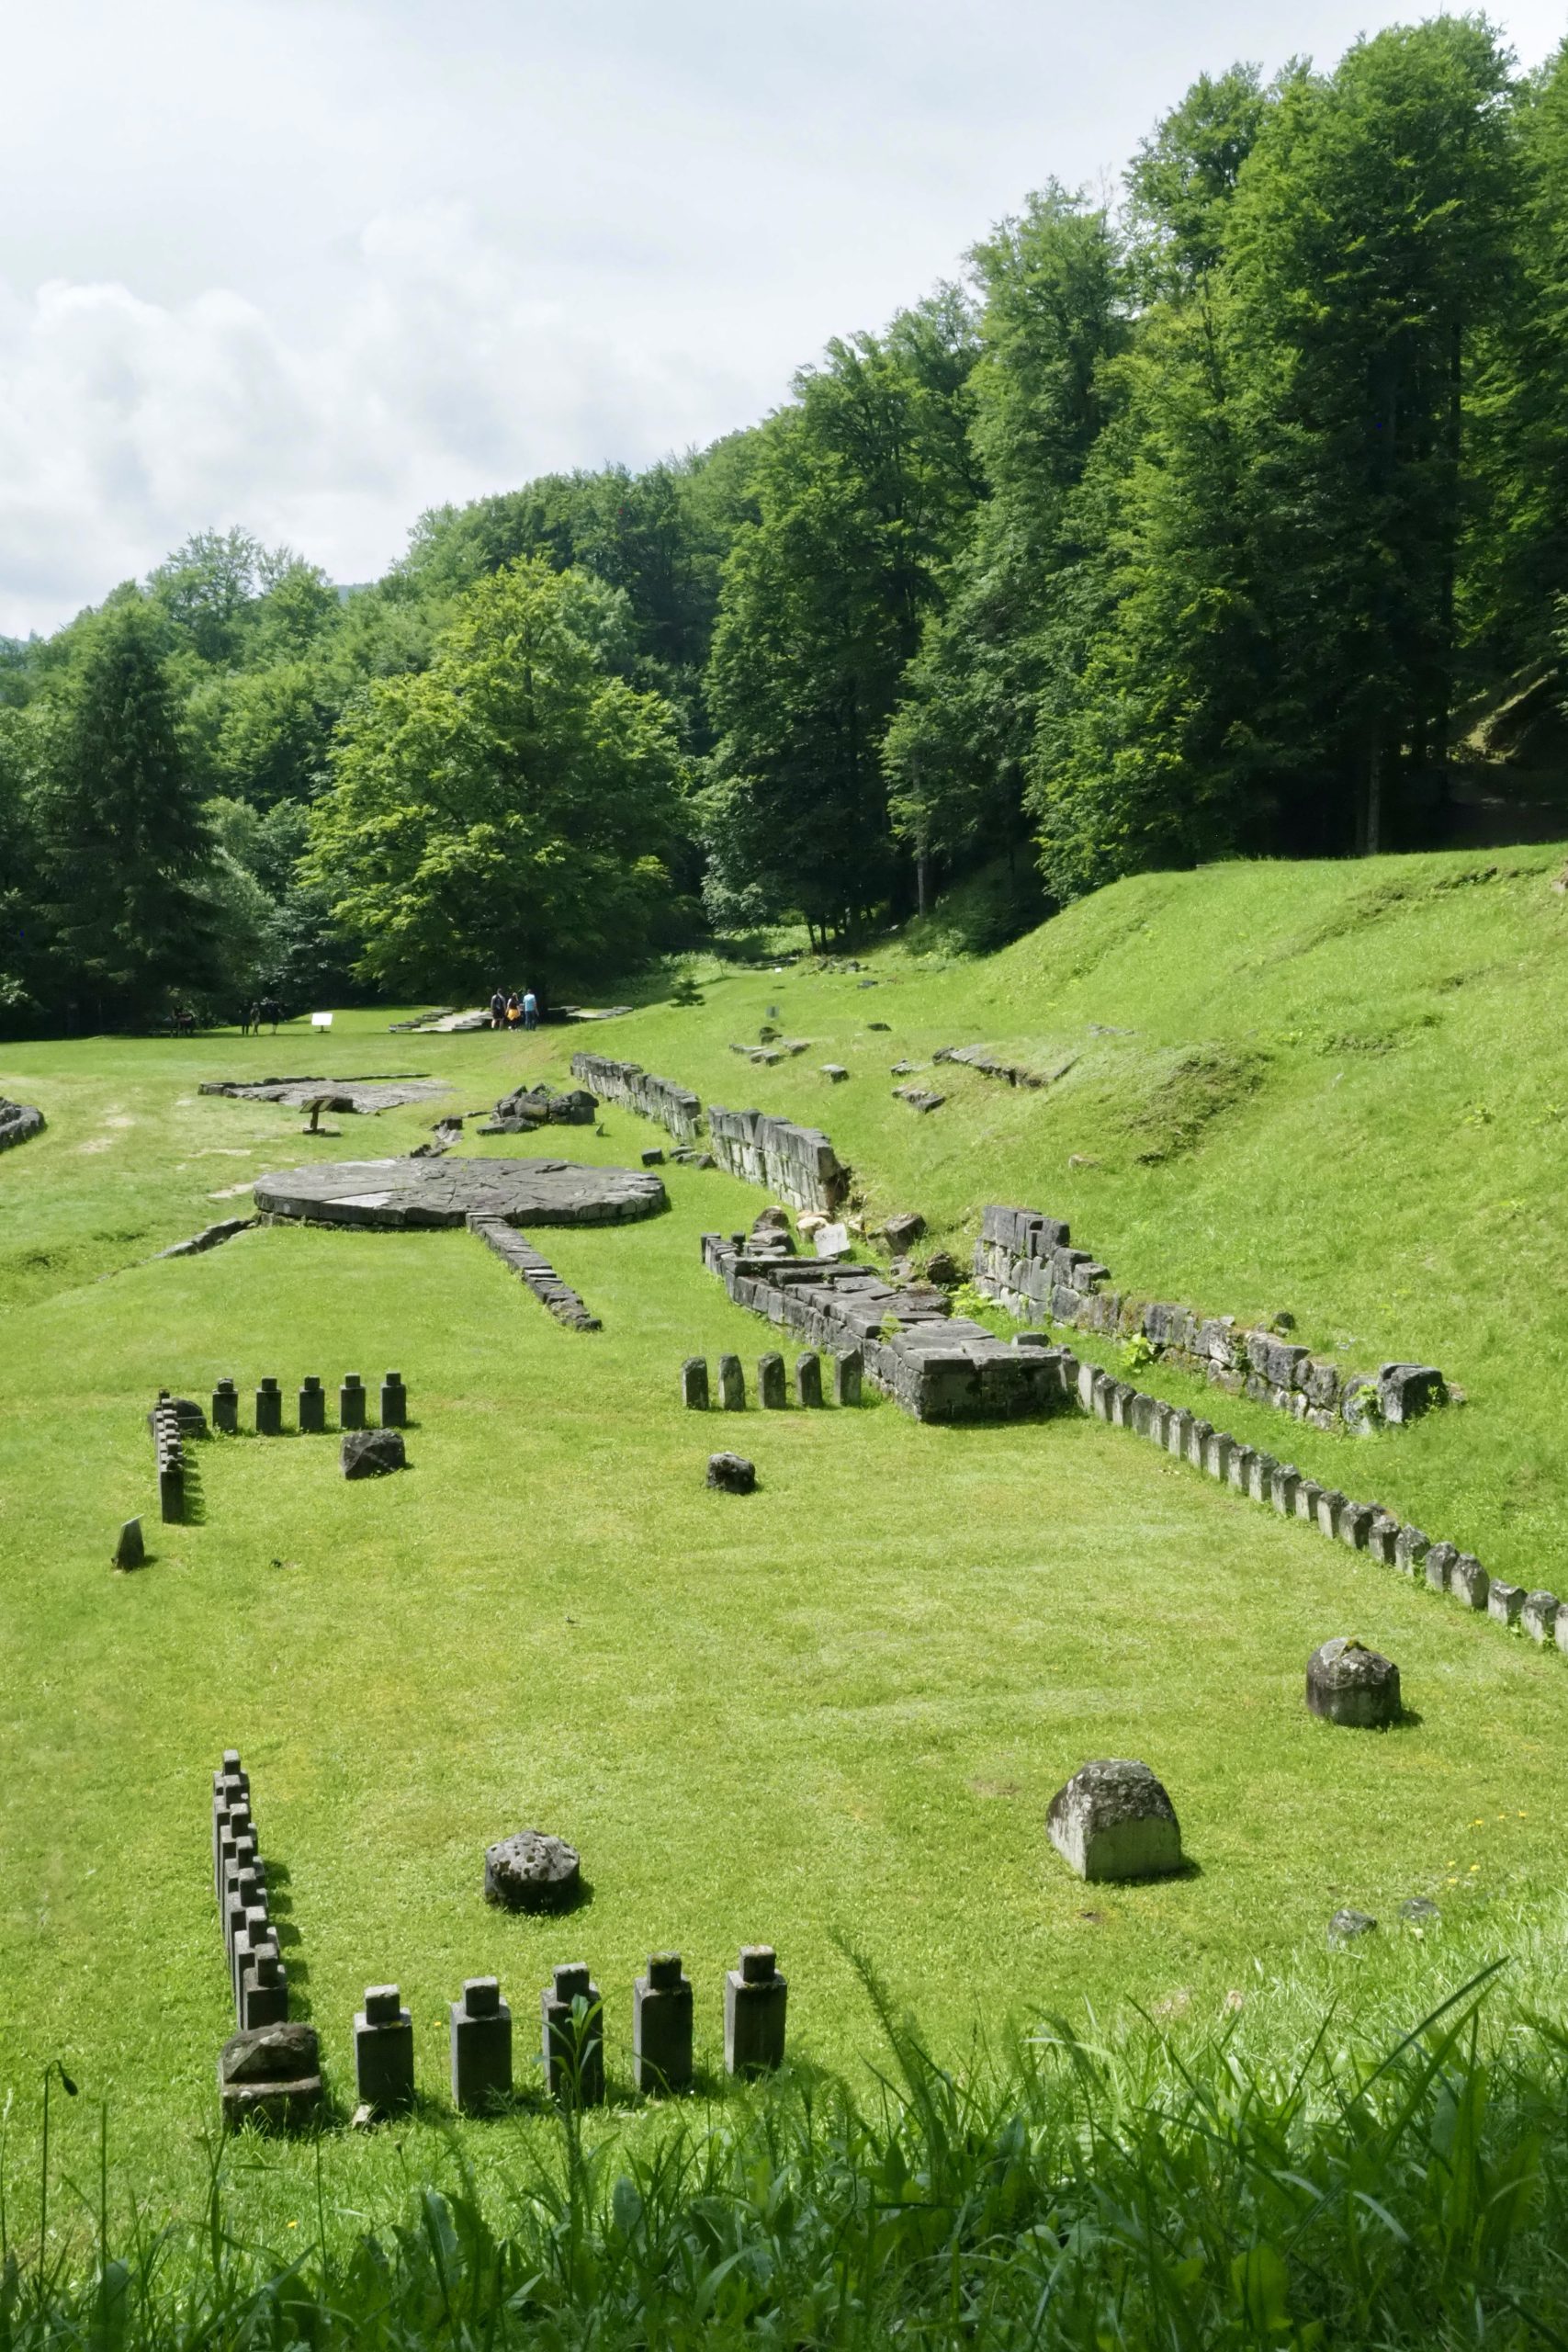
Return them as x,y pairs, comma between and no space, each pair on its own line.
415,1192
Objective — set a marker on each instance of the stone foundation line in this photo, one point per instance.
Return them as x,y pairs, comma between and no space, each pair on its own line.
636,1088
1365,1527
268,2068
1024,1261
168,1444
516,1252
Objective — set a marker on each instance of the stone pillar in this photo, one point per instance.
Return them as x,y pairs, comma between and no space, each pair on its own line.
312,1407
1218,1448
1241,1461
661,2026
226,1407
235,1825
809,1378
731,1385
1410,1549
1505,1601
695,1383
264,1991
1309,1494
132,1550
394,1404
254,1933
1438,1564
481,2047
770,1383
573,2048
269,1409
351,1402
1198,1433
1330,1504
1381,1536
1356,1525
1282,1488
849,1369
383,2052
1260,1477
754,1999
1179,1436
1469,1582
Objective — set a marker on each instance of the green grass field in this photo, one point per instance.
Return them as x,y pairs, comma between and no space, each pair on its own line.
839,1708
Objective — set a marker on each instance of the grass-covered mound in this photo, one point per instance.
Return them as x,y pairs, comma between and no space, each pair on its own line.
843,1703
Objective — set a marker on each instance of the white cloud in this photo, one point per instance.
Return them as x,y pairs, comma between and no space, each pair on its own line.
311,265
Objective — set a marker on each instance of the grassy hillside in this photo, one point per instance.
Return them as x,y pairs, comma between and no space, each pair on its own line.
844,1705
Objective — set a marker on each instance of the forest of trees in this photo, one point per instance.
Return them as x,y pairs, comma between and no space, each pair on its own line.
1181,529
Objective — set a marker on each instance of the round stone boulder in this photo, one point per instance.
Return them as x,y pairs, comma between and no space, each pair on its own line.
533,1871
1348,1683
371,1454
1114,1820
732,1474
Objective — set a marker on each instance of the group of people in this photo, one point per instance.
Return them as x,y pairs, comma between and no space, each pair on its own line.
253,1015
514,1011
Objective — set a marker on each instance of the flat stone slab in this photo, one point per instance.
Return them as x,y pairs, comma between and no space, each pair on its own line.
363,1094
421,1192
1114,1820
532,1872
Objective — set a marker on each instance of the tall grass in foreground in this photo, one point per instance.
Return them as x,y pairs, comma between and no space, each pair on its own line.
1067,2194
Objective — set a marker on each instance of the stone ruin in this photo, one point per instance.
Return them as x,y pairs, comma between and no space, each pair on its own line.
269,2069
518,1253
1114,1821
674,1107
990,1066
529,1107
1024,1260
364,1095
172,1420
414,1195
797,1164
1348,1683
19,1122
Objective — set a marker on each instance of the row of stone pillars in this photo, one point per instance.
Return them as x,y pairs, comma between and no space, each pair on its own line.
845,1374
259,1978
571,2047
353,1403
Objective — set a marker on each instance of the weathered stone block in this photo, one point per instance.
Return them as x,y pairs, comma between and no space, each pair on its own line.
848,1367
731,1385
1198,1437
571,2022
1504,1601
1179,1436
1282,1487
1309,1494
732,1474
312,1407
695,1383
1114,1820
394,1402
532,1870
1410,1550
808,1379
226,1407
755,2002
371,1454
1218,1448
1356,1525
1347,1683
1439,1566
481,2048
264,1991
1260,1477
661,2026
1330,1505
771,1394
1240,1466
1538,1614
1469,1582
269,1409
1381,1537
130,1551
1405,1390
271,2074
383,2052
351,1402
1347,1926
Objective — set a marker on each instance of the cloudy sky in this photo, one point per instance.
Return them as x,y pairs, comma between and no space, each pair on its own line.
312,265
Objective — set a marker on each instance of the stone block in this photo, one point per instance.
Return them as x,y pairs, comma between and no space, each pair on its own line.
661,2026
1330,1505
1282,1487
731,1385
1538,1614
130,1551
1218,1448
1410,1550
808,1379
1114,1821
371,1454
1260,1476
572,2037
1179,1436
695,1383
271,2074
1348,1683
481,2048
1469,1582
755,2001
907,1227
652,1158
1437,1566
1087,1374
1405,1390
312,1407
1561,1630
226,1407
1197,1436
1240,1468
394,1402
1356,1525
532,1870
264,1991
351,1402
383,2052
1381,1537
1505,1601
771,1394
269,1409
835,1071
732,1474
848,1368
1309,1494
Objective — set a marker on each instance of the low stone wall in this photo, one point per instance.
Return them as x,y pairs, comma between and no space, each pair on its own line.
19,1120
531,1266
674,1107
1025,1260
795,1164
938,1365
